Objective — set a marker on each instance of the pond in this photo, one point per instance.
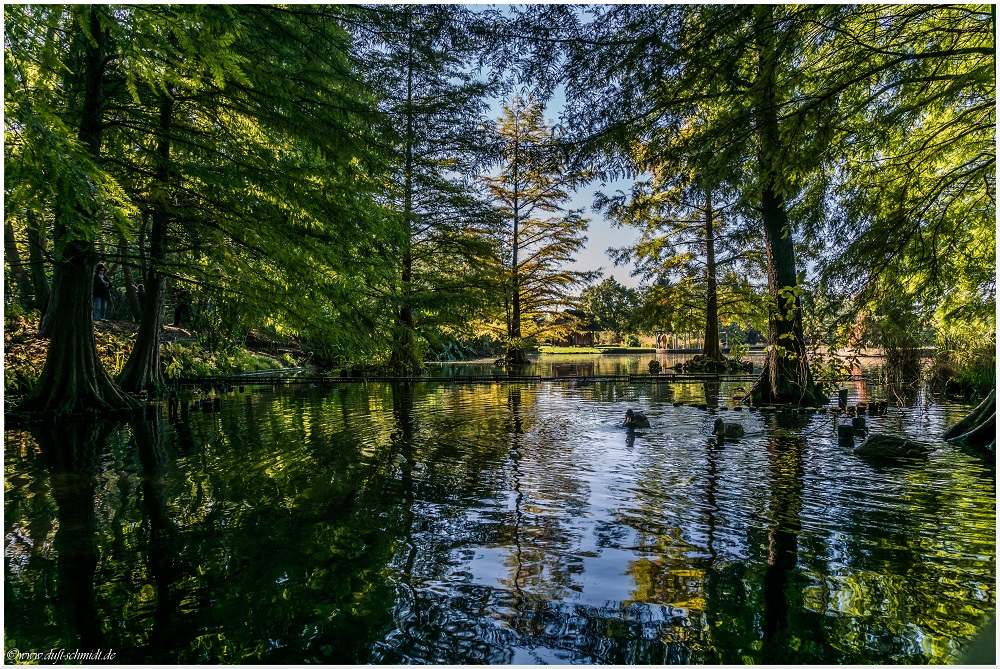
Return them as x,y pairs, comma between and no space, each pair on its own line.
497,523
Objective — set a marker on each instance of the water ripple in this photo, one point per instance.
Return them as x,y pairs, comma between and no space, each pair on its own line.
496,523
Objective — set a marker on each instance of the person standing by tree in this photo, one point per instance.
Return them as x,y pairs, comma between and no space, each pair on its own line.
102,293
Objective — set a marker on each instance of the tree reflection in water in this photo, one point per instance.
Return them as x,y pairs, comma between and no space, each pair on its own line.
492,523
786,468
73,456
161,536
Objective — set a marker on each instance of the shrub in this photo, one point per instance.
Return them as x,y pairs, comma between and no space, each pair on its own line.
965,363
190,360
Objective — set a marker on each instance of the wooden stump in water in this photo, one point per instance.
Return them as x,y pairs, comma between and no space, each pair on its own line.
859,426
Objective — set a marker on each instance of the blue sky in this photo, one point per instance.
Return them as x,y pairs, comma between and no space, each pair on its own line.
603,234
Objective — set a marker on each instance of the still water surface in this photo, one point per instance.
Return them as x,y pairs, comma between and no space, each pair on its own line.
496,523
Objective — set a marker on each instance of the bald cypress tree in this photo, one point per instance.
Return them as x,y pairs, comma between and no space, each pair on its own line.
816,101
540,236
694,244
257,175
419,58
71,113
246,162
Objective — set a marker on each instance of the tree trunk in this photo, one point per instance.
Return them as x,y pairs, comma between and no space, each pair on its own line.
404,356
36,254
142,369
515,349
13,258
73,378
711,348
786,376
979,427
130,292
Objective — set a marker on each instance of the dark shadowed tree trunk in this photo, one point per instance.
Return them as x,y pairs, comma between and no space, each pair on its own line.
711,349
403,357
786,376
130,291
36,257
13,258
142,369
73,378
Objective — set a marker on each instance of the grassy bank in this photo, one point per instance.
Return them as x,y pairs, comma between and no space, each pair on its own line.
582,350
182,356
568,350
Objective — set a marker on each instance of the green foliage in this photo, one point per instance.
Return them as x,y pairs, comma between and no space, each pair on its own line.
689,239
672,307
965,359
541,237
738,350
260,161
294,236
900,328
916,187
12,313
611,304
827,367
418,56
450,348
192,361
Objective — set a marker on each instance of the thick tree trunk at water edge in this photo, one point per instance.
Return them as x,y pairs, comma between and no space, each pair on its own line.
979,428
786,377
73,379
516,357
142,369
